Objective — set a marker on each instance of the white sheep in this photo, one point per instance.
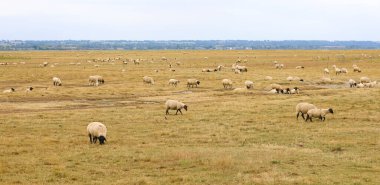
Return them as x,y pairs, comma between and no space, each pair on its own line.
57,81
148,80
279,66
318,113
352,83
227,83
364,79
192,83
97,130
289,78
326,71
29,89
360,85
344,70
9,90
303,107
248,84
173,82
370,84
357,69
300,67
174,105
95,80
295,90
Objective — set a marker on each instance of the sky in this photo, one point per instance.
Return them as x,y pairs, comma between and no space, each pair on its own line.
190,20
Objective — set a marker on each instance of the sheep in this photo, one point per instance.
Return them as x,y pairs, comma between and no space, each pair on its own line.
136,62
279,66
337,71
173,82
357,69
192,82
360,85
242,68
227,83
97,130
364,79
326,71
268,78
300,67
237,71
370,84
219,67
172,70
295,90
174,105
9,90
148,80
352,83
318,113
303,108
289,78
29,89
248,84
95,80
57,81
344,70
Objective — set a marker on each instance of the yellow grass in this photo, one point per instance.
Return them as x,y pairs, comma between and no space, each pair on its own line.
224,138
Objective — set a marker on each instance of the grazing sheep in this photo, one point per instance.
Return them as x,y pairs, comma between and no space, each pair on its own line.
242,68
219,67
248,84
326,71
192,83
57,81
352,83
173,82
175,105
337,70
268,78
97,130
370,84
303,108
9,90
300,67
227,83
364,79
136,62
344,70
318,113
357,69
148,80
95,80
279,66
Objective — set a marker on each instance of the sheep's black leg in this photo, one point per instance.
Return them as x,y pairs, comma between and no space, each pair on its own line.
298,115
89,135
167,111
94,139
302,115
307,117
176,112
180,111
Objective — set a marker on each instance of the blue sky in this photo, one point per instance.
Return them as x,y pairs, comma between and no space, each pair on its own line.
190,19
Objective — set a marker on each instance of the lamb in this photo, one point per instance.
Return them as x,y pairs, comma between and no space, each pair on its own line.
352,83
192,83
57,81
303,108
326,71
148,80
318,113
9,90
175,105
173,82
248,84
97,130
227,83
364,79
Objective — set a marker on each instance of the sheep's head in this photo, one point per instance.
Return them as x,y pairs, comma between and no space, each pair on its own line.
296,88
198,82
30,88
60,84
331,110
301,80
12,89
102,139
185,107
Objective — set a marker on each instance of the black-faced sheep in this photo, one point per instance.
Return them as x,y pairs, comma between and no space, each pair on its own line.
318,113
9,90
192,83
97,130
174,105
57,81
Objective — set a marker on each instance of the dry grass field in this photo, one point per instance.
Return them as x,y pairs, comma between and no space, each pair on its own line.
225,137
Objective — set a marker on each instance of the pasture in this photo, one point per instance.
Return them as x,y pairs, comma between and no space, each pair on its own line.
225,137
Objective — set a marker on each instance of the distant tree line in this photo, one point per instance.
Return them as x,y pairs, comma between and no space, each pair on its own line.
183,45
